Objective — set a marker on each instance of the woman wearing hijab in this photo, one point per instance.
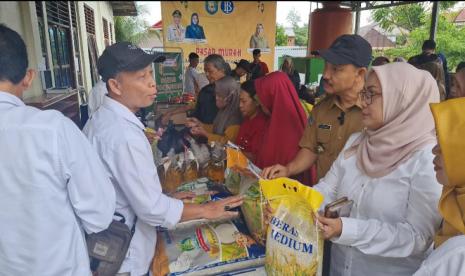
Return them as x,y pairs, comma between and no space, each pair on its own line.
457,88
436,70
194,30
255,122
287,121
449,253
387,170
288,68
226,124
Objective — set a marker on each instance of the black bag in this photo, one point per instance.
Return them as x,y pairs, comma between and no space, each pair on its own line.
107,249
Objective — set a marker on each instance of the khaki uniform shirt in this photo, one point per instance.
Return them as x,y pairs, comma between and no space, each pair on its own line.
328,130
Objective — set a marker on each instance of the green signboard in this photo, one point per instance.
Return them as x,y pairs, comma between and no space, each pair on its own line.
169,76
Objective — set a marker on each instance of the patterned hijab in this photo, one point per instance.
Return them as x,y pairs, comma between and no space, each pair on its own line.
227,88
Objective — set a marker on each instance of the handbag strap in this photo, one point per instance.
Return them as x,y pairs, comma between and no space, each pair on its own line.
123,220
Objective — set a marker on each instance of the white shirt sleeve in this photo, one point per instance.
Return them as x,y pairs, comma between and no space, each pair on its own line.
90,191
137,177
328,185
402,239
447,259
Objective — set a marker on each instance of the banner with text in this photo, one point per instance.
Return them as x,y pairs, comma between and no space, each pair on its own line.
232,29
168,75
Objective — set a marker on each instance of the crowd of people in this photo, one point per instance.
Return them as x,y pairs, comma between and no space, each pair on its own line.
379,136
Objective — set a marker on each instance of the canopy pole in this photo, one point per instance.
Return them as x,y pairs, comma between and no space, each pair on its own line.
434,21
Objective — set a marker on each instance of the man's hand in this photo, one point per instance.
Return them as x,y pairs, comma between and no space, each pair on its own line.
275,172
220,209
330,228
183,195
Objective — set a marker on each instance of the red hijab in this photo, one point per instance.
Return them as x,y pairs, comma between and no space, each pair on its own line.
287,120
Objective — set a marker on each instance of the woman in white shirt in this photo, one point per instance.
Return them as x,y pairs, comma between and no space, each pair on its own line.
387,170
448,257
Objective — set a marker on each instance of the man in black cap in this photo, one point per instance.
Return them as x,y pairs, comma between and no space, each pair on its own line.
118,137
242,68
336,117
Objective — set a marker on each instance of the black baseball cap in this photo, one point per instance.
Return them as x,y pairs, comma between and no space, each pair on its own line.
124,57
244,64
348,49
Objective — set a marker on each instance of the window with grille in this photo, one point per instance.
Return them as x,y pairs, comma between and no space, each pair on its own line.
90,20
59,30
92,43
106,37
40,21
111,34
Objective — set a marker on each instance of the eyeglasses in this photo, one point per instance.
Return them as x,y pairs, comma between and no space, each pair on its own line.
368,96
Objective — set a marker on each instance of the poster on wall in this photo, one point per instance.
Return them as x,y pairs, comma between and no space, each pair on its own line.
232,29
168,76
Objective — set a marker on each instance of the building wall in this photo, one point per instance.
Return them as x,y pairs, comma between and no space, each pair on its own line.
101,9
21,17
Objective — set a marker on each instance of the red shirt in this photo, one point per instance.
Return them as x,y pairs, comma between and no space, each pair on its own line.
263,68
250,136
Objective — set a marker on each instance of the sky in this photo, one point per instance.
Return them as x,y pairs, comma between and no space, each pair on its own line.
283,8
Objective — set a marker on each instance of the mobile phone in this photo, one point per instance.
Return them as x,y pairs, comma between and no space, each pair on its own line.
339,208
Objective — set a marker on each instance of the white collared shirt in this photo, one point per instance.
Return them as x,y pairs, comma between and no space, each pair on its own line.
446,260
117,135
190,76
52,187
96,96
393,220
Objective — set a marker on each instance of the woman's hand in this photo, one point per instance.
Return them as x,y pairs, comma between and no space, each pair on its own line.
220,209
199,131
193,122
166,118
330,228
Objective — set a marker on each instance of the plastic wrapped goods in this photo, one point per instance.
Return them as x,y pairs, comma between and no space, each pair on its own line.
293,244
208,249
174,176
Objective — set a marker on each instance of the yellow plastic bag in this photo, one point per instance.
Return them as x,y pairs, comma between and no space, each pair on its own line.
293,245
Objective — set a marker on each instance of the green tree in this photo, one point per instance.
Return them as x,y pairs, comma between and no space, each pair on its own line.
301,35
132,28
301,32
408,17
293,18
281,39
449,40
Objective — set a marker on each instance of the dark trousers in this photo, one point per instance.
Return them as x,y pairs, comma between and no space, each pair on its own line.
326,258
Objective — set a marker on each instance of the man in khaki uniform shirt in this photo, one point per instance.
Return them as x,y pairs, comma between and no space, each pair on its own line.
337,116
328,129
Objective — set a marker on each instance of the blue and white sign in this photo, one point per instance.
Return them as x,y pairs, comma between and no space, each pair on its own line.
227,6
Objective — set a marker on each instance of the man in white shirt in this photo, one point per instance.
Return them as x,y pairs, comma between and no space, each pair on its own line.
118,136
96,96
53,186
190,76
